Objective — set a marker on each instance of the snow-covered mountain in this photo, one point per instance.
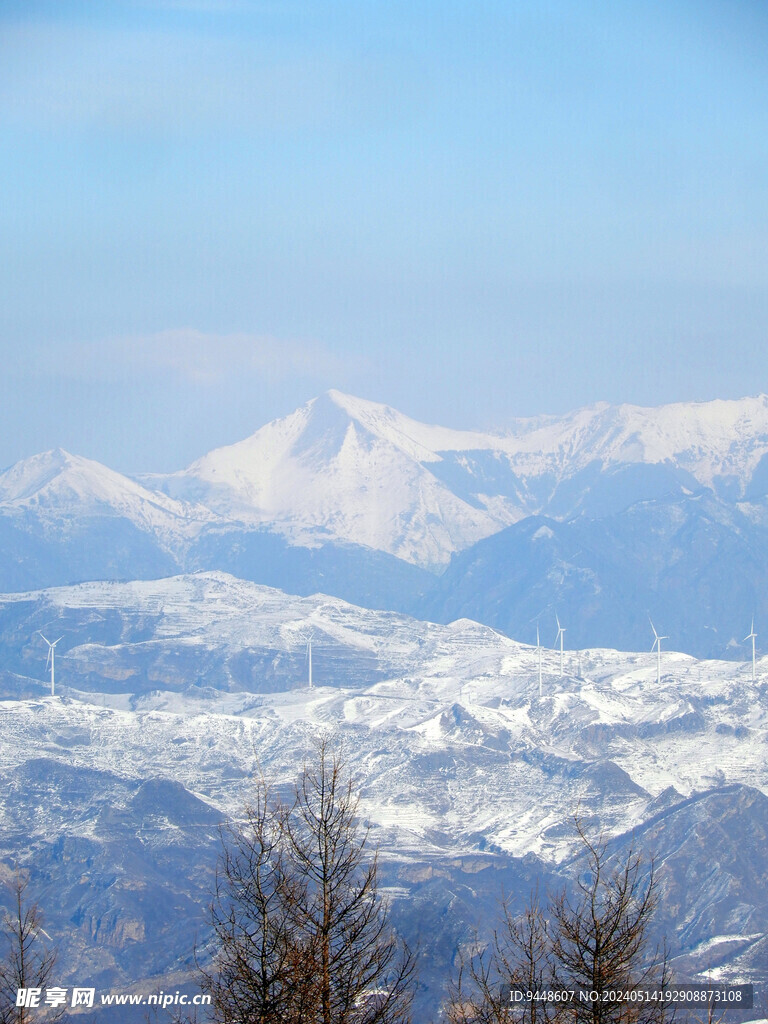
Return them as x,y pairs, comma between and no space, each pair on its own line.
356,471
660,511
345,470
173,690
56,481
65,518
469,769
712,441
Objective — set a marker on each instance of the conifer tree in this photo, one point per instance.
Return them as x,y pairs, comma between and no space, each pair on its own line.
301,929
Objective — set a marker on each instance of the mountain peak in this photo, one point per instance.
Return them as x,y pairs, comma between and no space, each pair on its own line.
27,477
350,469
361,409
58,482
347,469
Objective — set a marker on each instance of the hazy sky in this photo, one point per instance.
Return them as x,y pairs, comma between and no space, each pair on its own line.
212,211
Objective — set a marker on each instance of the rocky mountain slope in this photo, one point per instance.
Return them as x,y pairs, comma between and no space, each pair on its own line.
172,693
605,517
362,472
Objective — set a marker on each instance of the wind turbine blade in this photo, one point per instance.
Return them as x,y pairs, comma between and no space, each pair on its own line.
45,638
48,659
56,641
653,628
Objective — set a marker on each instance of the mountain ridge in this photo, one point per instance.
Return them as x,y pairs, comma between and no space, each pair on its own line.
56,478
171,694
353,498
371,475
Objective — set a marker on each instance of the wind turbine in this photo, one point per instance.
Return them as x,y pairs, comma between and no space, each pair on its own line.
751,636
657,645
51,658
560,635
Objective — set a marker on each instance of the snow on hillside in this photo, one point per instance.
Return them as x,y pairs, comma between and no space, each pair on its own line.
469,773
445,755
324,473
708,439
56,483
342,468
345,470
452,742
215,609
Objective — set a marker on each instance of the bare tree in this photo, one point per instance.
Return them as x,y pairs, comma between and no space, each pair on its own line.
518,957
596,940
302,930
601,941
27,962
261,971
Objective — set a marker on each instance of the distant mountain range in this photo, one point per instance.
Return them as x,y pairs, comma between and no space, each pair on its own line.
172,693
605,517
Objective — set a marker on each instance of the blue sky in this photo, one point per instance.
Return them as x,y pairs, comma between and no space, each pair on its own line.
212,211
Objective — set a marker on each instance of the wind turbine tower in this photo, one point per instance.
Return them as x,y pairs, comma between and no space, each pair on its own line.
560,635
657,645
751,636
51,659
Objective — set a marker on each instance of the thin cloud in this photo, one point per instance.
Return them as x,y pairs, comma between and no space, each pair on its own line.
198,359
210,359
